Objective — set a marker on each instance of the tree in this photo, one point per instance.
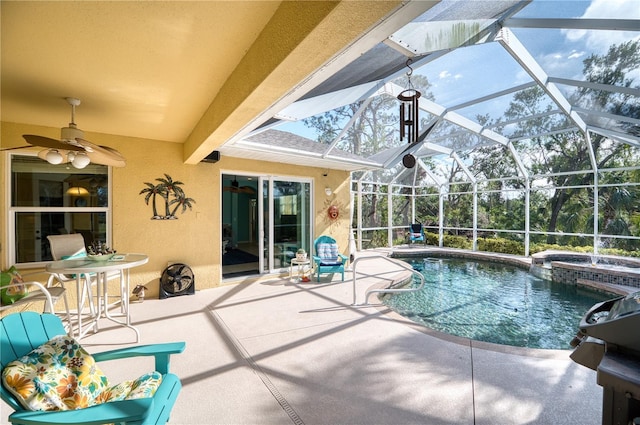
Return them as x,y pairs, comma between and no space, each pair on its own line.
169,187
151,191
568,151
181,201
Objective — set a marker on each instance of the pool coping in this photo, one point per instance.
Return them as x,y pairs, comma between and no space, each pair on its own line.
518,261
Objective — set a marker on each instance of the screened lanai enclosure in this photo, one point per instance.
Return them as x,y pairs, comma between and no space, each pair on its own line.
527,126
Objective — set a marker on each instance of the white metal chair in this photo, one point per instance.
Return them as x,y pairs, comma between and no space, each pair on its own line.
38,292
72,246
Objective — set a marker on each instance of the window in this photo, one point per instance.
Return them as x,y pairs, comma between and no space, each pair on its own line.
48,199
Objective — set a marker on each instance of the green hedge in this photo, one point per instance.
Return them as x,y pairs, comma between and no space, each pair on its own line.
498,245
501,245
508,246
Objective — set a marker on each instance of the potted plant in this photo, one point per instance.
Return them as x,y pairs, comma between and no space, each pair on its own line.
301,255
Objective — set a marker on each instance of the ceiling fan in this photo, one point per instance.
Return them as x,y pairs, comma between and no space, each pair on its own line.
72,147
236,188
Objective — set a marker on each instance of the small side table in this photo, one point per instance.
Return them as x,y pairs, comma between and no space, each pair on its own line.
301,264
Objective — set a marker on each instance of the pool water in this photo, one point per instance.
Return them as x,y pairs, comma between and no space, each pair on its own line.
494,303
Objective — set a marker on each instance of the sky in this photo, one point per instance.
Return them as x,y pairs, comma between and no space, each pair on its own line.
475,71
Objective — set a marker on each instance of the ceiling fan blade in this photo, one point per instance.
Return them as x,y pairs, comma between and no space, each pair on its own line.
17,147
102,154
46,142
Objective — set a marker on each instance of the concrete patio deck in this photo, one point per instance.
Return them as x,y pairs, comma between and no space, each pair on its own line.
278,352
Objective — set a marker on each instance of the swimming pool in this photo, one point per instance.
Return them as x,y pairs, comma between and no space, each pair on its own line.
495,303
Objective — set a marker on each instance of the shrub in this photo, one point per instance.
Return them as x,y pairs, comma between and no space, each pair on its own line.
431,238
452,241
501,245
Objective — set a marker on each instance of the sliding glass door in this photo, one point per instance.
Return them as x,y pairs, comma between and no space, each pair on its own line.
287,221
265,221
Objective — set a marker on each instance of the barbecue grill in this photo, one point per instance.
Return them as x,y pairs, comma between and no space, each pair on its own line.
609,342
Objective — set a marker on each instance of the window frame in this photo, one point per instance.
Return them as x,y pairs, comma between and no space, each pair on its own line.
13,211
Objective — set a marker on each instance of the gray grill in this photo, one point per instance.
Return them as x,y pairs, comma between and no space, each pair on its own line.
609,343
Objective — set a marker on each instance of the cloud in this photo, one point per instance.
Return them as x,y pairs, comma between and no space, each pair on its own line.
575,54
600,41
446,75
563,64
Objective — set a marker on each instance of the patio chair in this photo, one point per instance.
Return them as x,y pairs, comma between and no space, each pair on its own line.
328,258
36,292
35,349
72,246
416,233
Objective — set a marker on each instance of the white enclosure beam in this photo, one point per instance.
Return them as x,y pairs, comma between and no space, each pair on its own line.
514,47
621,137
346,128
465,169
596,86
493,96
573,23
453,117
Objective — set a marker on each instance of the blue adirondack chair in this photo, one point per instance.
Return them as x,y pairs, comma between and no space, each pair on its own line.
327,258
416,233
20,333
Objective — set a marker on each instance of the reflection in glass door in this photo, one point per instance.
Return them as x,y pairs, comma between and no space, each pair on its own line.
291,220
267,246
240,244
282,210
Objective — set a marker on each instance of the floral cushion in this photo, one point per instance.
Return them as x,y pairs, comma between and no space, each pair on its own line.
61,375
143,387
13,294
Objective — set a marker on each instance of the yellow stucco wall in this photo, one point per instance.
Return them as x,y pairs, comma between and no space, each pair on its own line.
195,238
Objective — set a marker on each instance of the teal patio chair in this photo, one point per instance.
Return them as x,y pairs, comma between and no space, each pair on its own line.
327,258
35,352
416,233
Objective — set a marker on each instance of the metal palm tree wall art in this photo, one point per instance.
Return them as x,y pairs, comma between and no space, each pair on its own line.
173,195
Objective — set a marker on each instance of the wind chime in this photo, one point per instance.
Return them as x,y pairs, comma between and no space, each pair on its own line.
409,118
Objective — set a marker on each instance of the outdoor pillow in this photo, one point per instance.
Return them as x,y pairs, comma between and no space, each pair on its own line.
328,253
61,375
58,375
143,387
11,295
74,256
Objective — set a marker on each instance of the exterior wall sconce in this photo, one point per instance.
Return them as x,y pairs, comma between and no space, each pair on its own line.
328,191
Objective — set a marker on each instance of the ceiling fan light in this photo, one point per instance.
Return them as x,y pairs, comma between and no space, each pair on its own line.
81,160
54,157
77,191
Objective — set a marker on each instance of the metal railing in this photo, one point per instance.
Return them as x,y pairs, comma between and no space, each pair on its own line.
399,263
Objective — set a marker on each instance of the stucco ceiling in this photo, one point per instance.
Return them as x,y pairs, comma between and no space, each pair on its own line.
186,72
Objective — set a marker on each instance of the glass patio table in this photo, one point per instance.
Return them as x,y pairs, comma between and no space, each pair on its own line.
121,263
